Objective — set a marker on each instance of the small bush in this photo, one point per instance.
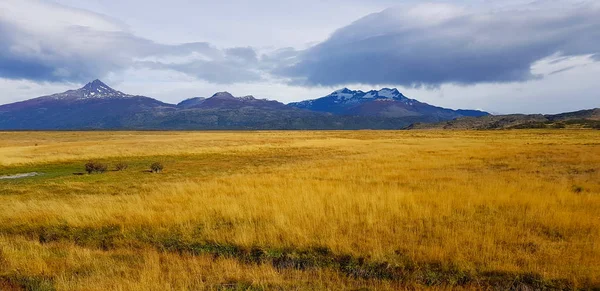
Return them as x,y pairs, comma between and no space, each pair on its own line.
95,167
101,168
121,166
89,167
156,167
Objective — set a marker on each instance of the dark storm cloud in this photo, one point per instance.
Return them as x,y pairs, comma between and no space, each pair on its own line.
433,44
10,66
27,55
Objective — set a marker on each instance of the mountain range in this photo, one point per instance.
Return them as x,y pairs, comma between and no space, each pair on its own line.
385,103
98,106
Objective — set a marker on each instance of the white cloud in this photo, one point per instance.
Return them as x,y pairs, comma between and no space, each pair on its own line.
40,17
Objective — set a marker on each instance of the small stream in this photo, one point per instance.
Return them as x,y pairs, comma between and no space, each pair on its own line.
20,176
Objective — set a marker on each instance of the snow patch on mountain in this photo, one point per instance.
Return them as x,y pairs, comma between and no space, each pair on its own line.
388,93
92,90
346,96
223,95
370,95
343,94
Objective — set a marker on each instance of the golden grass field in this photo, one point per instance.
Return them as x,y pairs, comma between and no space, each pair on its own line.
302,210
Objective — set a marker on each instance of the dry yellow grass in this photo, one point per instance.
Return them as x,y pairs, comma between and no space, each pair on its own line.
444,209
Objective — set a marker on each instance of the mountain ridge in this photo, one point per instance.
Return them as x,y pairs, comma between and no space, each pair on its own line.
386,102
587,118
98,106
93,89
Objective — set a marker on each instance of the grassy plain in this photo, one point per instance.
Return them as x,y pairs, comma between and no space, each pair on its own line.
302,210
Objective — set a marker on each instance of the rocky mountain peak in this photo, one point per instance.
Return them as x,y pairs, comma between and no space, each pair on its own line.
95,85
97,89
223,95
93,90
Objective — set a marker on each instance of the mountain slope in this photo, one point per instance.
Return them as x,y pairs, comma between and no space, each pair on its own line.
191,102
94,106
386,102
224,100
578,119
97,106
252,118
224,111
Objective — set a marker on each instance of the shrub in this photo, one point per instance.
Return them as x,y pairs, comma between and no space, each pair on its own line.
89,167
121,166
156,167
95,167
101,168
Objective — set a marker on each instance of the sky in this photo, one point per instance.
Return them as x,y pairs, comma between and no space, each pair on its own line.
510,56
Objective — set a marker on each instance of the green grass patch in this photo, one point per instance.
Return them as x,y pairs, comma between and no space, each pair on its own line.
70,178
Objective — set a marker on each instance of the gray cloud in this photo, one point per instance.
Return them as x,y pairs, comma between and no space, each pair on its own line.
201,60
26,55
432,44
245,54
220,72
424,44
562,70
79,53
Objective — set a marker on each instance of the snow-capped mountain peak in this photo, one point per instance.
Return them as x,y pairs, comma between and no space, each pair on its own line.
384,93
389,93
97,86
247,98
93,90
223,95
97,89
343,91
351,96
345,98
344,94
229,96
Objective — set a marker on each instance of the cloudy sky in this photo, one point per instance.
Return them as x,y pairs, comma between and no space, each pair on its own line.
501,56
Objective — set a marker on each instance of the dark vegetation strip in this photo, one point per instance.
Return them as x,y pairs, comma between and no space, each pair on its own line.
407,272
16,281
583,123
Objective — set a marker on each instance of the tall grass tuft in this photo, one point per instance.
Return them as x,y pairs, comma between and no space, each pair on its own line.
156,167
95,167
